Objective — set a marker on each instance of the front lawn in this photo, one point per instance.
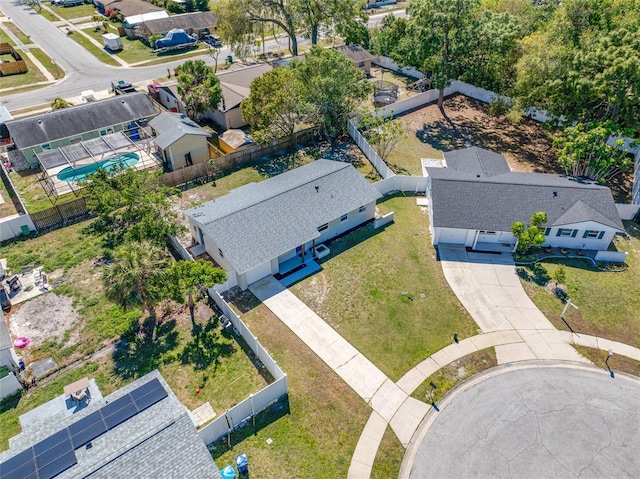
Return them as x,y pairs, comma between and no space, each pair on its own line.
78,11
608,302
384,291
33,75
48,63
17,32
97,52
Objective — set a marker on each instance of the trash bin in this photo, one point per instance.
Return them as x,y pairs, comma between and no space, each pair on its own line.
228,472
229,58
242,463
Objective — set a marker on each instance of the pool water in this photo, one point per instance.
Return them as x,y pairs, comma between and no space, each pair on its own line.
77,174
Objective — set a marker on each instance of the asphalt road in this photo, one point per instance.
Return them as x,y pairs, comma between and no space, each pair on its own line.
84,71
542,422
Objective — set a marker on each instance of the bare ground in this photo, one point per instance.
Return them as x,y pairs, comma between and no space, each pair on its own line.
44,317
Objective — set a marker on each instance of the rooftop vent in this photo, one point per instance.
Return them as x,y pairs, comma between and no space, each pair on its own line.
123,101
317,189
555,194
39,122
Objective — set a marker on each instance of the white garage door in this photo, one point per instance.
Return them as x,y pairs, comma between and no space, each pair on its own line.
452,236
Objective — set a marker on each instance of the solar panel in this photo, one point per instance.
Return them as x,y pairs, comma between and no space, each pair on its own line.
120,416
145,389
60,464
150,399
87,429
53,441
20,466
113,406
84,423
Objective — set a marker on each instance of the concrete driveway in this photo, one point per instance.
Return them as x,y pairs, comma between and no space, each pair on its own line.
489,288
551,422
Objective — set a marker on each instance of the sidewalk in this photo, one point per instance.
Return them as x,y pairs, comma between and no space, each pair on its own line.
24,48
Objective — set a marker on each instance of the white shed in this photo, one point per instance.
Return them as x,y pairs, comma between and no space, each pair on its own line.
112,41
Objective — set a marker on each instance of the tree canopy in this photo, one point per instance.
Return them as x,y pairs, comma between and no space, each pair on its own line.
532,235
192,278
199,87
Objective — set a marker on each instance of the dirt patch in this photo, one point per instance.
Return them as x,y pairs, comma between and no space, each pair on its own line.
44,317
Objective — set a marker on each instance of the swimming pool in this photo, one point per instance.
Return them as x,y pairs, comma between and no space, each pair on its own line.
77,174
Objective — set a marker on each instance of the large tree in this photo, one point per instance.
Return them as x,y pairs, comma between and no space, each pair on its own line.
333,86
584,150
137,277
192,278
131,205
532,235
199,87
440,38
275,105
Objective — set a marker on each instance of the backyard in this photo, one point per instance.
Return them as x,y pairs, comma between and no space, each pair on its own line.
88,335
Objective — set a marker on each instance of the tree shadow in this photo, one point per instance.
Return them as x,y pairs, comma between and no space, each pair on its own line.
141,348
205,349
535,273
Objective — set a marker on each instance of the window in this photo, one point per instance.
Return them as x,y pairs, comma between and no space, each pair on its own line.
46,146
362,209
567,232
482,232
75,139
323,227
547,231
220,253
106,131
344,218
593,234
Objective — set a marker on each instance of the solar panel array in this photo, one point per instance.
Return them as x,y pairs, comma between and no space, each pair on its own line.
55,454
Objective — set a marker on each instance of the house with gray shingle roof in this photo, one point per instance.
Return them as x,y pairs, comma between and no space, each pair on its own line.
140,431
49,131
180,140
256,228
475,199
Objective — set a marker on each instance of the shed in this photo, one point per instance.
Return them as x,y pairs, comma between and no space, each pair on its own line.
181,140
233,140
360,57
112,41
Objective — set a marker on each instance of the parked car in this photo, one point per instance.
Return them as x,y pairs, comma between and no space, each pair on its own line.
5,302
154,88
213,40
122,87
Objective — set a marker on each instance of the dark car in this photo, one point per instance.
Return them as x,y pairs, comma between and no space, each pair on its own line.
5,302
213,40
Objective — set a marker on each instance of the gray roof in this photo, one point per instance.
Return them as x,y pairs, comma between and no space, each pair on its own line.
159,442
236,84
355,53
468,198
173,126
476,161
76,120
5,337
261,221
185,21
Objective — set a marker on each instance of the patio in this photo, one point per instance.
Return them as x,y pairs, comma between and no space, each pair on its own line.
61,406
64,167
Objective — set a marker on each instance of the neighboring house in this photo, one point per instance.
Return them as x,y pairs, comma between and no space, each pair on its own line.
128,8
475,200
360,57
254,229
141,430
169,98
181,140
198,23
67,126
9,384
130,23
236,86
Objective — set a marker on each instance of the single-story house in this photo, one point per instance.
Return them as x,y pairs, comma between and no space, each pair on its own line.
198,23
236,86
254,229
128,8
181,140
360,57
169,98
67,126
140,430
475,199
132,21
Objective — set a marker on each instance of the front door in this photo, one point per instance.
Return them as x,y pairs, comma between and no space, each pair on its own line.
187,159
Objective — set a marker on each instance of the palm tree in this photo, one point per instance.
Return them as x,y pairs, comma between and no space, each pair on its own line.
136,277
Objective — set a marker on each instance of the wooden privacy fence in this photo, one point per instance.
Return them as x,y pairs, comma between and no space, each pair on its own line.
11,68
202,172
61,215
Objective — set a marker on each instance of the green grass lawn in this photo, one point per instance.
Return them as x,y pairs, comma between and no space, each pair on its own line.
78,11
97,52
317,434
608,302
389,456
17,32
33,75
51,67
384,291
189,356
28,185
7,208
4,38
48,15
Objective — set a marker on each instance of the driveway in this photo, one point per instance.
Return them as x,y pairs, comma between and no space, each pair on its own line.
489,288
551,422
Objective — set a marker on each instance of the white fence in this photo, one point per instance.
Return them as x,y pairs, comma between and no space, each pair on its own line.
627,212
377,162
180,249
611,256
389,64
408,184
383,220
245,410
